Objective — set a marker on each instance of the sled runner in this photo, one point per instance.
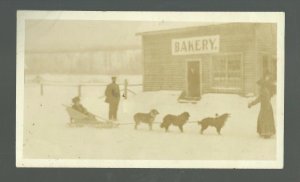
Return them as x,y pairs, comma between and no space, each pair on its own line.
78,119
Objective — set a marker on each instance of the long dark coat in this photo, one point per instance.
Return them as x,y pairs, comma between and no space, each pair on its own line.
265,120
112,93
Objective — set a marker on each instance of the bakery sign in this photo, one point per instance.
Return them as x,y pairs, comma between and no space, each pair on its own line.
196,45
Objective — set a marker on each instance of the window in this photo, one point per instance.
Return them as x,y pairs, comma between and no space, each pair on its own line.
219,68
227,71
234,67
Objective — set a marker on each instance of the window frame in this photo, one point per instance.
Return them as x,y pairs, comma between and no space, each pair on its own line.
226,79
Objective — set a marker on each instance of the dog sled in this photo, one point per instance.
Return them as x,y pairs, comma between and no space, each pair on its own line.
78,119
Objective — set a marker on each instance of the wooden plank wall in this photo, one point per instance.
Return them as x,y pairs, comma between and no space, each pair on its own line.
250,72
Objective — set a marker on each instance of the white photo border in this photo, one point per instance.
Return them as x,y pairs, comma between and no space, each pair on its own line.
203,17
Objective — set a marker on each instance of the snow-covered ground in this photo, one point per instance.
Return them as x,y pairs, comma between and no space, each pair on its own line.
47,135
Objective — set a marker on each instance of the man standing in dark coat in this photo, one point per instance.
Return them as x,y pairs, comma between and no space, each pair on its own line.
112,94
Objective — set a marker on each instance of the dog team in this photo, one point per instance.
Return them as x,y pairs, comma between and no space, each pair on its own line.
179,120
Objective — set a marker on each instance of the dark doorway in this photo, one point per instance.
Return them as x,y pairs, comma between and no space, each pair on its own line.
193,79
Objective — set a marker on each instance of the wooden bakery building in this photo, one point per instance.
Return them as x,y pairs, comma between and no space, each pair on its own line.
218,58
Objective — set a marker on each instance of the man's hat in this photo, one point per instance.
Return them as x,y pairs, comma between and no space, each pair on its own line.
113,77
75,99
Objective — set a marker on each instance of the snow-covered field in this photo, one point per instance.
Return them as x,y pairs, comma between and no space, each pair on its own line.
47,135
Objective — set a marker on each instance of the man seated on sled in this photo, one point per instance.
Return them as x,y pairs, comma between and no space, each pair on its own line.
79,107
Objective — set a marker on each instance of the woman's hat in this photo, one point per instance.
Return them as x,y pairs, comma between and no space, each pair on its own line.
75,99
267,74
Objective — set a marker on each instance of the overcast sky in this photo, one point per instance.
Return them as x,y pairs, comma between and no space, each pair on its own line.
70,35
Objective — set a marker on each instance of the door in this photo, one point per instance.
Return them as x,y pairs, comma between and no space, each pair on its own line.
269,64
193,79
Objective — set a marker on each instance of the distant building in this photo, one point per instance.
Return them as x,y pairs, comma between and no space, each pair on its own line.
220,58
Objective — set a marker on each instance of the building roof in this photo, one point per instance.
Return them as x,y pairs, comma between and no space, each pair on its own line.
186,29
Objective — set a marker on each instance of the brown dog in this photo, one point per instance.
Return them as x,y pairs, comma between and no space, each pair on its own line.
147,118
179,121
217,122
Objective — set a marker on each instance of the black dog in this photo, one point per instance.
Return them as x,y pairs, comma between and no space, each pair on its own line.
147,118
217,122
179,121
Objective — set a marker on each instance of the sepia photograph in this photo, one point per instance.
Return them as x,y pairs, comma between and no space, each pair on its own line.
150,89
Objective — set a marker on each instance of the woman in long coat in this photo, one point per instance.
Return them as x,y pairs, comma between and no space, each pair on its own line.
265,121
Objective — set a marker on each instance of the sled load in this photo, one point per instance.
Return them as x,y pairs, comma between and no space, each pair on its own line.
78,119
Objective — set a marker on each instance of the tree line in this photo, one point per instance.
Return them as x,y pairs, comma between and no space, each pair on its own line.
95,62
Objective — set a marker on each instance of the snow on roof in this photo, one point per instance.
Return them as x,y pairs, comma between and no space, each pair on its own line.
182,29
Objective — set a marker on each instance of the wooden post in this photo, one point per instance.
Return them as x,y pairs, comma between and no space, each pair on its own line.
125,88
42,89
79,90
